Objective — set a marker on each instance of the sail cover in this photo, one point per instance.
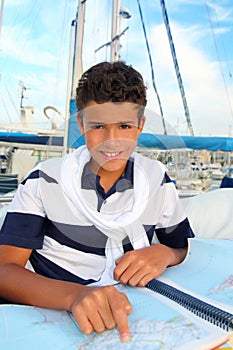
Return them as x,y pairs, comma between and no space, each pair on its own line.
147,140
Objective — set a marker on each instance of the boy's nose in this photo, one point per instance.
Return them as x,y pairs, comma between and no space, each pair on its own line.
111,133
111,137
111,142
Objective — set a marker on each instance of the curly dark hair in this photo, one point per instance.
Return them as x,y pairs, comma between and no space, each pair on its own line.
111,82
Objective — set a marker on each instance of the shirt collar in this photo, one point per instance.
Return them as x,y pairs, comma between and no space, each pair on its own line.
91,181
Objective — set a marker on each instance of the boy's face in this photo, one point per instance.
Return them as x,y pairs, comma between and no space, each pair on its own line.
111,131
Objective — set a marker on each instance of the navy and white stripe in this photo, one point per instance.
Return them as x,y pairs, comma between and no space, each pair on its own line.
65,245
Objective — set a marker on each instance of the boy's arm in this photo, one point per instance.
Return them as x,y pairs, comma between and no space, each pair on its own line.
95,308
138,267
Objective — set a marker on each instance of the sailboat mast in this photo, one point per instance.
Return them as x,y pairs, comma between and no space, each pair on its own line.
178,75
1,17
115,56
78,49
75,69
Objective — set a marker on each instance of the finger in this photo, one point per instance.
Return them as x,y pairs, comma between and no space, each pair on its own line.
120,316
140,279
122,266
126,258
122,323
128,273
105,310
84,323
90,321
119,270
96,320
126,303
107,316
119,260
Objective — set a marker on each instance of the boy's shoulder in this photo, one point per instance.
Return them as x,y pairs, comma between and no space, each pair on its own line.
49,166
150,169
147,162
51,163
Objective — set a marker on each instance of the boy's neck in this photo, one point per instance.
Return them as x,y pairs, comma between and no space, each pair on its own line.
107,178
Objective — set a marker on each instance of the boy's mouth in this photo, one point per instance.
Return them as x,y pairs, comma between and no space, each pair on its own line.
111,155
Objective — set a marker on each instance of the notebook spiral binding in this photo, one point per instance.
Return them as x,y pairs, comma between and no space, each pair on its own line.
213,314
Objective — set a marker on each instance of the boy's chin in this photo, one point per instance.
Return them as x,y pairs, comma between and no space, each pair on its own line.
114,165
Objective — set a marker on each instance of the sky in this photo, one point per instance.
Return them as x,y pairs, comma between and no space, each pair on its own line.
35,45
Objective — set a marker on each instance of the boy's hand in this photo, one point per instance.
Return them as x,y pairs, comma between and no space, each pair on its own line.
138,267
100,308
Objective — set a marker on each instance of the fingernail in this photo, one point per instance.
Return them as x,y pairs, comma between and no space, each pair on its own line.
125,337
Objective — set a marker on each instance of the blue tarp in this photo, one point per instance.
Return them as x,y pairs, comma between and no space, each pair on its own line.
211,143
165,142
145,140
158,141
20,137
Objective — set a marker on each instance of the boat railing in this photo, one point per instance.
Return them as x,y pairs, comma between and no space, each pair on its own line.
8,183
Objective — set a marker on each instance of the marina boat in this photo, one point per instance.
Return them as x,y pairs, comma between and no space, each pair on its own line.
216,171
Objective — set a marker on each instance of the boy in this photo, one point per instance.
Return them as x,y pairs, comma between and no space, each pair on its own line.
100,215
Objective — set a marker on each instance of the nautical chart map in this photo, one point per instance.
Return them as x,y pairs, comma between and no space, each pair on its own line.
34,328
207,271
153,325
148,335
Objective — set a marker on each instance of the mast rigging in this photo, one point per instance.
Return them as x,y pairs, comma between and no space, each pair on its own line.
178,75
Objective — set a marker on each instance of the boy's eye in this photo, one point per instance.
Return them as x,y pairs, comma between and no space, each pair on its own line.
125,126
98,126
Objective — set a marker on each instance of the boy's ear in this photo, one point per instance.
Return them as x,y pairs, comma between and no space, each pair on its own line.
141,124
80,124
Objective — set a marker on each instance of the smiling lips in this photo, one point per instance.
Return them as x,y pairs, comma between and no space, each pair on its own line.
111,155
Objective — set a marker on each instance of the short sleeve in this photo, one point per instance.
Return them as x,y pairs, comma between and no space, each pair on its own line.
24,221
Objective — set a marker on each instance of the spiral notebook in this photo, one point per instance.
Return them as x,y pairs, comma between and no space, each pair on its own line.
203,309
203,286
209,324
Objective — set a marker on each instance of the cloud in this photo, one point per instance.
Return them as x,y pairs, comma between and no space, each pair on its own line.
16,3
202,79
35,49
220,13
17,45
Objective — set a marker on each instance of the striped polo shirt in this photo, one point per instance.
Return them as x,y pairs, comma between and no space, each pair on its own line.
65,244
